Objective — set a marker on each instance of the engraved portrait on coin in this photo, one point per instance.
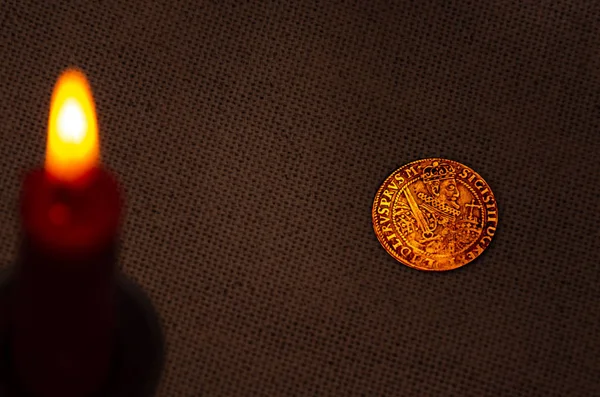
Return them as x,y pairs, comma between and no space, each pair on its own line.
435,214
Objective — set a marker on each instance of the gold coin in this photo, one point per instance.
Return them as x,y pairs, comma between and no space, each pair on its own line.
435,214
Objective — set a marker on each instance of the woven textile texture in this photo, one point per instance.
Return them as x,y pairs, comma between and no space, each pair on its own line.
251,138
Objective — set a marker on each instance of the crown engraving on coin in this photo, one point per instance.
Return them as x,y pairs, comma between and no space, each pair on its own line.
438,171
435,214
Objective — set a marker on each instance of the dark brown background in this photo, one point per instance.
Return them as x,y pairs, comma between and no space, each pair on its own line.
251,137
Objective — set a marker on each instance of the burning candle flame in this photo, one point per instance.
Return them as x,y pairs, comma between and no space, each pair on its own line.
72,147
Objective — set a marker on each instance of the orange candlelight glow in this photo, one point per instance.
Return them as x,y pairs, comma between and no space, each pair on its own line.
72,147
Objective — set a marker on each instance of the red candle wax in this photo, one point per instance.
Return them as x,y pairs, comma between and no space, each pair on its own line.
64,311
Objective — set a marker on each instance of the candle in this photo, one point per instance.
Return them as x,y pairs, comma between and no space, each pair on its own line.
63,319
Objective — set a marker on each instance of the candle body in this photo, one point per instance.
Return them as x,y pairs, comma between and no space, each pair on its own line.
63,316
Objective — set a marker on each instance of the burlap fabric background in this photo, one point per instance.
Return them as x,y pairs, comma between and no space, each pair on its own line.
251,137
